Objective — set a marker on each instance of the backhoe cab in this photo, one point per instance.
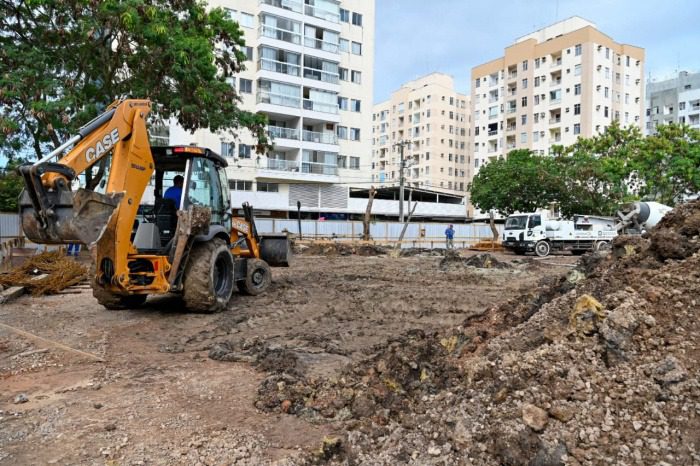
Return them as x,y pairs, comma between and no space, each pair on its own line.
184,239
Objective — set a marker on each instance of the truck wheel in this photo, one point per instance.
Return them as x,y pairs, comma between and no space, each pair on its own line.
258,277
602,246
542,248
208,277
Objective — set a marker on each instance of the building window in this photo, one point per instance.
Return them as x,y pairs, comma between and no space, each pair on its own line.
357,48
607,92
523,119
524,83
537,81
523,102
342,161
344,45
354,163
343,72
228,149
577,89
535,136
357,77
342,132
577,70
578,49
537,99
577,109
524,67
268,187
478,82
523,138
355,105
343,103
248,51
247,20
577,128
240,185
354,134
244,151
681,105
344,16
357,19
246,86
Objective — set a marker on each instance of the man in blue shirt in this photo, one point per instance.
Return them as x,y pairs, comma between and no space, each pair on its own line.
175,191
450,235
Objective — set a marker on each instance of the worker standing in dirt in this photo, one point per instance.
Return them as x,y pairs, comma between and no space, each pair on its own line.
175,191
450,236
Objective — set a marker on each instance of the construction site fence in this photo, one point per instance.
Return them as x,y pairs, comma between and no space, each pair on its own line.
418,234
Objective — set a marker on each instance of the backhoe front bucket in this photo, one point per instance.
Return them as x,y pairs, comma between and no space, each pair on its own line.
72,217
275,249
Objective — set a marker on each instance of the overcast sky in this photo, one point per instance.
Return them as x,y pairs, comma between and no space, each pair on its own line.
417,37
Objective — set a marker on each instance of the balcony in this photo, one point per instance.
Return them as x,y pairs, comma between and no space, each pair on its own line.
321,44
280,34
493,132
278,132
278,67
266,97
555,63
322,13
555,101
510,128
321,138
318,75
510,145
555,140
320,107
554,121
511,110
555,83
291,5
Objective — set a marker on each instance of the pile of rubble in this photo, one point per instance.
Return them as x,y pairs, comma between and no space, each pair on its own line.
337,248
598,366
480,261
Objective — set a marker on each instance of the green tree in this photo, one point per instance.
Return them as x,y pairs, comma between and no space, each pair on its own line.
11,184
669,163
522,182
62,62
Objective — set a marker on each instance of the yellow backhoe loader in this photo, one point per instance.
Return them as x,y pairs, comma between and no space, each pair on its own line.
185,240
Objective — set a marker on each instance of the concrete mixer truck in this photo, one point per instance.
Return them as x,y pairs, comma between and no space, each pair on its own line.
545,231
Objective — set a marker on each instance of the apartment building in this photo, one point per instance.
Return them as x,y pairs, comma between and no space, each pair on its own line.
433,118
552,86
675,100
309,69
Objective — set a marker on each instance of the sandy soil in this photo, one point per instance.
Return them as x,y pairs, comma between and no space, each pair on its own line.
157,397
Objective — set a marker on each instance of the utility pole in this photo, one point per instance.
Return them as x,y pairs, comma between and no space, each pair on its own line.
402,179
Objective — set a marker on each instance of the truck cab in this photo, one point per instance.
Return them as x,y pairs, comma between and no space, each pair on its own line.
523,231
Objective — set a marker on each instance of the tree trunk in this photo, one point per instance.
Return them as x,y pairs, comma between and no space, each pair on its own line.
494,231
368,215
405,225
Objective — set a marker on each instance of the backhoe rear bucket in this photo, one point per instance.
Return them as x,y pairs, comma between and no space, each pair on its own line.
73,217
275,249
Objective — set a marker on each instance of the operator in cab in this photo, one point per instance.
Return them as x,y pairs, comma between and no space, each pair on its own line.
175,191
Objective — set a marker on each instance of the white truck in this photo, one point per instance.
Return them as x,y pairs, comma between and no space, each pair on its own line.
544,231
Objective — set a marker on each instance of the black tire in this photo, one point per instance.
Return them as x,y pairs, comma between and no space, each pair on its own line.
111,301
542,248
602,246
208,277
258,278
115,302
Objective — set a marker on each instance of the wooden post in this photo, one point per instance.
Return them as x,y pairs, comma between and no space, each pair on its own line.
368,214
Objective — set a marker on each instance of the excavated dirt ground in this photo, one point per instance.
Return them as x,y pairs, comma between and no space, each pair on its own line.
355,360
179,388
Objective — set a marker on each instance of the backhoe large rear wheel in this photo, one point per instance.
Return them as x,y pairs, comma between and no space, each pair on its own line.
257,279
208,280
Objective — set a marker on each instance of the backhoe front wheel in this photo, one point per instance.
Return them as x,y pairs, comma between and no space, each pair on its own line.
208,279
258,277
115,302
